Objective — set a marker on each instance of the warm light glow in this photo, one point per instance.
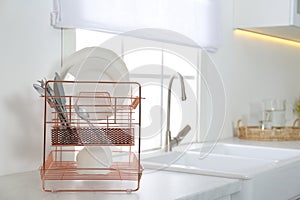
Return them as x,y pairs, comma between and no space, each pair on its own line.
266,37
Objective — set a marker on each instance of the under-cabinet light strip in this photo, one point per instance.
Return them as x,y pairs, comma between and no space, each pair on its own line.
267,37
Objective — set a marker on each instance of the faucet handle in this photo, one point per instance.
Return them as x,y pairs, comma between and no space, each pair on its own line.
183,133
176,140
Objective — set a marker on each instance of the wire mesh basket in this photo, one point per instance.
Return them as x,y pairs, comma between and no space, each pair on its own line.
91,115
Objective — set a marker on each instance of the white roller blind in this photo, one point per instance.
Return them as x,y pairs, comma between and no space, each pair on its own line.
198,20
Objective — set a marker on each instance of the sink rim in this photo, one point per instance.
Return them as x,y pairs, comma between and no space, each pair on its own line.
189,168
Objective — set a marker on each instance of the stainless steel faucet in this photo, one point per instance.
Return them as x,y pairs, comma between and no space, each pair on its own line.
170,142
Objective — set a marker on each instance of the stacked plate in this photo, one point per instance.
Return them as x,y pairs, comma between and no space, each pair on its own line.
97,64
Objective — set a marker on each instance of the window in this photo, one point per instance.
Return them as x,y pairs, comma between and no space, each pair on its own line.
152,64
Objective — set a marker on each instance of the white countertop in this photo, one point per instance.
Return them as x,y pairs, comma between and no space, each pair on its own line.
154,185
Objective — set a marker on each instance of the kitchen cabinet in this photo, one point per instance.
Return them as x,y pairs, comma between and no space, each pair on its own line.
279,18
261,13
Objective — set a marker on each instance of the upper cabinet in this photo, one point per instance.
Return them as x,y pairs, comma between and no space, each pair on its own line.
280,18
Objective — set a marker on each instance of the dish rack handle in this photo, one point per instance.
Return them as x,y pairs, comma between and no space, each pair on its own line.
135,102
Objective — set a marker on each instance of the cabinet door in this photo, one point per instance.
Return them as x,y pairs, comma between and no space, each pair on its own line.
296,16
262,13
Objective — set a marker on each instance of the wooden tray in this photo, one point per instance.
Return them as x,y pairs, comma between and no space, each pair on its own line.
286,133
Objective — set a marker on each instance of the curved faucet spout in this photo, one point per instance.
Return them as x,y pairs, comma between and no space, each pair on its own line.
182,86
168,145
183,95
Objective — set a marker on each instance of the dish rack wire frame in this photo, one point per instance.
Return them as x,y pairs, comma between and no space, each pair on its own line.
59,173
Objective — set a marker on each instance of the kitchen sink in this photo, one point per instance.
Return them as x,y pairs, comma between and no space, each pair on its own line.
258,167
226,160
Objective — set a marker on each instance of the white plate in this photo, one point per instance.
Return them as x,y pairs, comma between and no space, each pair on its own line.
97,64
94,157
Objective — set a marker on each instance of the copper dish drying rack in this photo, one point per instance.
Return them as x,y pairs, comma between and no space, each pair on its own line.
92,117
286,133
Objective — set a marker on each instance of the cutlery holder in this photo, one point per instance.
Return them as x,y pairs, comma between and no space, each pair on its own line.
89,116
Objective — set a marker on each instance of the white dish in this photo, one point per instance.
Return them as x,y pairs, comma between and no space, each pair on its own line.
97,64
94,157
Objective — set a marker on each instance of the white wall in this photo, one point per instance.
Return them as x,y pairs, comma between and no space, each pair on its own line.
30,50
254,69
